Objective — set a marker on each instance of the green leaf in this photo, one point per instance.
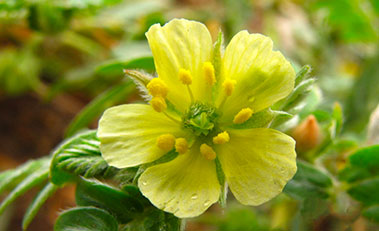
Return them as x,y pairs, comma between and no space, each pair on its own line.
366,191
313,175
372,213
338,117
11,178
349,20
154,220
303,190
112,96
86,219
364,96
366,157
116,67
120,204
34,179
81,43
79,155
364,163
308,182
40,199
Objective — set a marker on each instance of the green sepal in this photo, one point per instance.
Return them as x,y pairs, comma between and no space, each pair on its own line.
222,181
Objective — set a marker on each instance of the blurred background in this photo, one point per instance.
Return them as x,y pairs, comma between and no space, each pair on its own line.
62,61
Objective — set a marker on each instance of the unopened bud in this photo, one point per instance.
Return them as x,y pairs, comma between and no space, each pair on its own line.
307,134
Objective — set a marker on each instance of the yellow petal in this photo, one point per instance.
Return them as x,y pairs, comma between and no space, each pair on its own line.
128,134
263,76
257,163
181,44
185,186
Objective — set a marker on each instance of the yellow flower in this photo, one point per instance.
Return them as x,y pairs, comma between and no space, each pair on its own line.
196,105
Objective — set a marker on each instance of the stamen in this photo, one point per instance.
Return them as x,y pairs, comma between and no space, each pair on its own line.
181,145
209,72
158,104
228,86
185,76
190,93
166,142
243,116
157,88
221,138
208,152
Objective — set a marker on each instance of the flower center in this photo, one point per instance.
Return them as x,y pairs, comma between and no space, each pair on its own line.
200,118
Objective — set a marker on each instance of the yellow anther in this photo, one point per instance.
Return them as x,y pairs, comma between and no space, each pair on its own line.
209,73
157,88
221,138
207,151
185,76
166,142
158,104
181,145
228,86
242,116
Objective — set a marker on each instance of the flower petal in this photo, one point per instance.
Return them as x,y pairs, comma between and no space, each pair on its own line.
181,44
263,76
185,186
128,134
257,163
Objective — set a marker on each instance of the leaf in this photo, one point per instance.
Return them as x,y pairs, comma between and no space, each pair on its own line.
366,191
79,155
86,219
372,213
34,179
116,67
153,220
11,178
308,182
366,158
40,199
349,19
81,43
364,96
338,117
364,163
98,105
120,204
